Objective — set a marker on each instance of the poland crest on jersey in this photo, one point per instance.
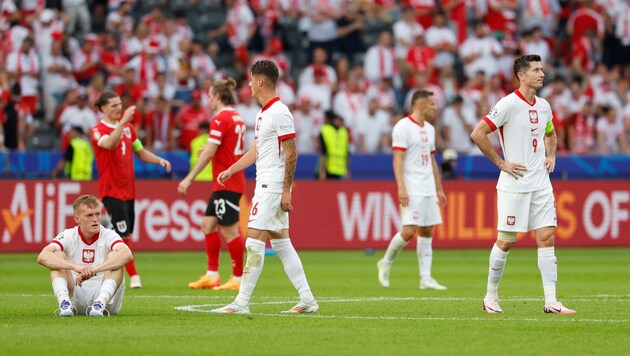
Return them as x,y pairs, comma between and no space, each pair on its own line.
127,132
533,116
511,220
88,256
423,136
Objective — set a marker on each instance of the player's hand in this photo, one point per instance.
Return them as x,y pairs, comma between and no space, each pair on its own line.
128,114
441,199
403,197
86,272
79,280
285,204
516,170
183,186
224,176
550,163
166,164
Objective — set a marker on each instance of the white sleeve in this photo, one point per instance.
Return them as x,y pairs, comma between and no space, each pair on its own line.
399,138
111,239
60,241
283,124
499,114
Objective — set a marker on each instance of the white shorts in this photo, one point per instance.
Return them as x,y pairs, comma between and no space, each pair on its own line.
421,211
84,296
266,213
523,212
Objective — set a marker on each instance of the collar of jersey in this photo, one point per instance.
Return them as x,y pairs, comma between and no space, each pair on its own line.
94,238
109,125
520,95
269,103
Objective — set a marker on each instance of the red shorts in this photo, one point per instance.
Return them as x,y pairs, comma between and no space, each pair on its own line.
29,103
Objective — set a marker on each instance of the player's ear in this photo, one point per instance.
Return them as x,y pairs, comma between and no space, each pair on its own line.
76,218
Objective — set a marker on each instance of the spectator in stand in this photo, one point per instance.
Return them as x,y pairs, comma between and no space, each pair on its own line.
348,104
420,58
201,65
334,159
320,57
319,91
130,86
113,62
77,11
586,19
611,137
457,13
86,61
44,29
274,51
539,14
622,34
148,64
18,121
285,90
387,11
443,40
160,126
240,27
135,44
23,68
79,115
189,118
581,130
480,52
308,123
405,30
533,42
120,18
380,60
373,129
180,69
323,24
501,17
155,20
161,87
384,94
182,27
578,98
421,81
57,79
458,122
350,32
424,11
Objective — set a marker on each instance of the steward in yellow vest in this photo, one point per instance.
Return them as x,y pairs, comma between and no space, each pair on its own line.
335,145
78,160
196,145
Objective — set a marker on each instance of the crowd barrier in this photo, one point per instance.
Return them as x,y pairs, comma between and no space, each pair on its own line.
32,165
328,215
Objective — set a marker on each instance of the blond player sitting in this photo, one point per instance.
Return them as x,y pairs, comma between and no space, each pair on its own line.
86,263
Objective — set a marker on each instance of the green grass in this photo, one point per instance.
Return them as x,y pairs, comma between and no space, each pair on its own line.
356,315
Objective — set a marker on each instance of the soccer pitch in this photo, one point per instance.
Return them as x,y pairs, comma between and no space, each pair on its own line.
357,316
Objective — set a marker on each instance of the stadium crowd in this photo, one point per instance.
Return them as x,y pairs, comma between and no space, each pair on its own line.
361,59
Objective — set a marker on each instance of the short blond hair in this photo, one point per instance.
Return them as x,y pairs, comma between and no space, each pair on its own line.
87,200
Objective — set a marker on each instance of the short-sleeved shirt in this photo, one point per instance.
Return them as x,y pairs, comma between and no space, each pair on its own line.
274,124
73,244
418,143
521,128
115,166
227,130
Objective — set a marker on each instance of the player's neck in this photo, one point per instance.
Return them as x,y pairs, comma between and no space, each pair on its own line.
110,121
220,106
417,117
264,98
528,93
86,235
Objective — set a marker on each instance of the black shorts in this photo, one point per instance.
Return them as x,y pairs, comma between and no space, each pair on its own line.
223,204
122,214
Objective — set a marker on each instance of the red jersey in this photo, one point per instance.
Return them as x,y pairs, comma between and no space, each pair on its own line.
115,167
227,130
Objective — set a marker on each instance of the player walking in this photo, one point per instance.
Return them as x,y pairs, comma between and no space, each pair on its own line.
226,145
275,155
525,200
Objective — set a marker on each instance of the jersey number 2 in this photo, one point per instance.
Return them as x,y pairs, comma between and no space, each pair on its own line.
239,148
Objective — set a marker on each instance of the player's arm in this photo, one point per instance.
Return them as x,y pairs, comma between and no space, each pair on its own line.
150,157
109,142
438,182
247,160
480,137
551,143
54,259
205,157
399,173
120,256
291,155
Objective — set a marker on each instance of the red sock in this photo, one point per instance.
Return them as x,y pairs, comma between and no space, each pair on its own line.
236,253
131,266
213,248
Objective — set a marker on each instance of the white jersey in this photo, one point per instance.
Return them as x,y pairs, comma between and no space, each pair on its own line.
522,134
274,124
418,142
73,244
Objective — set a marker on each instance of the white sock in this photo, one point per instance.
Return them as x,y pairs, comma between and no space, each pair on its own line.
495,271
212,274
425,256
251,272
396,245
293,267
60,288
108,288
548,265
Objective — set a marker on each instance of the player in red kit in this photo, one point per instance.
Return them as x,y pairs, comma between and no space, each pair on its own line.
114,141
226,145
